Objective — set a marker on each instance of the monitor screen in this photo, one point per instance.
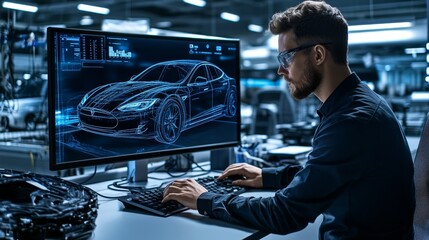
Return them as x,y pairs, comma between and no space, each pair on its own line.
118,96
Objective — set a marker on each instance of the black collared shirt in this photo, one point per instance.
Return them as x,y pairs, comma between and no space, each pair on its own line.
359,176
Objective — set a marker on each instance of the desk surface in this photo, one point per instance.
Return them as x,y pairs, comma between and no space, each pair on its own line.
116,222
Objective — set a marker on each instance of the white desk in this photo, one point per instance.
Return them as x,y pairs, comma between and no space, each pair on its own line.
114,222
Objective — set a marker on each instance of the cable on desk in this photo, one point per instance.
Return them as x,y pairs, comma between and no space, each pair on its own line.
205,172
196,164
120,185
109,197
90,177
163,179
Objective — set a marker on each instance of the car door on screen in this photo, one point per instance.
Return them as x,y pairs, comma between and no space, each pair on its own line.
201,94
220,86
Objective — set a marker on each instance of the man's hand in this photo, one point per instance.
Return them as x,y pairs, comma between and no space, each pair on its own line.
252,174
185,191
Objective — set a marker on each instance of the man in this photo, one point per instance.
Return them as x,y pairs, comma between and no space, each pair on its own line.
360,172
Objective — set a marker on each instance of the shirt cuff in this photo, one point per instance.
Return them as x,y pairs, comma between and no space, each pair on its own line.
270,178
204,203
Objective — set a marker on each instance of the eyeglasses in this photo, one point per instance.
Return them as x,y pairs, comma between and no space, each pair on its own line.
285,58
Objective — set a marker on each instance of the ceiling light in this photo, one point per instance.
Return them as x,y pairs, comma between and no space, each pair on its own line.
260,66
255,28
230,17
415,50
198,3
164,24
21,7
273,42
131,26
372,37
93,9
379,26
422,96
86,20
418,65
255,52
386,36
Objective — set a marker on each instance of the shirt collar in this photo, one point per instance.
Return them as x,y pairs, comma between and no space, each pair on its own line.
335,98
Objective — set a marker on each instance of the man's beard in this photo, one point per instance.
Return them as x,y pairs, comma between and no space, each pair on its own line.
308,84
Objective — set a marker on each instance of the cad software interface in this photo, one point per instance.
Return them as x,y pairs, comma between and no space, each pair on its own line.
124,94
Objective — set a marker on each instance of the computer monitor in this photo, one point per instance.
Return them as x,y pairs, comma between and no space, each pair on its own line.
116,97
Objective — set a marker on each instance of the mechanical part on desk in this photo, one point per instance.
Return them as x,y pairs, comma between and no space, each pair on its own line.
36,206
244,156
254,147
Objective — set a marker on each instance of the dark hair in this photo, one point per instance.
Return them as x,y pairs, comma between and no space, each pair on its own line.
315,22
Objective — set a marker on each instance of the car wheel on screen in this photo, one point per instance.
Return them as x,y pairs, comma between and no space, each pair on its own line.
169,122
4,124
231,104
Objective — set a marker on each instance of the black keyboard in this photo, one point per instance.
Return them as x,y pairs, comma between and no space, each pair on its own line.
150,199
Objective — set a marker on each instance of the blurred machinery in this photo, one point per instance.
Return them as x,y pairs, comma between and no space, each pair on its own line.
23,100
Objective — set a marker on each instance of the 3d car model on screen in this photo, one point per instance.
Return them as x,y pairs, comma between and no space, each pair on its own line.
160,102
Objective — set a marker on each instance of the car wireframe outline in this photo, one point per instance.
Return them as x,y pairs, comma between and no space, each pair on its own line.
159,103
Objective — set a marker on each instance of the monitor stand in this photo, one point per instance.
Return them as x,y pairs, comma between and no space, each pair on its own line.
137,171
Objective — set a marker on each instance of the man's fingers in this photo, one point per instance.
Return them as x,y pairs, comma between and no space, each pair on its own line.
170,197
234,166
231,171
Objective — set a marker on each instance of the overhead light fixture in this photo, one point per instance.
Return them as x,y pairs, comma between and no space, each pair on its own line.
164,24
230,17
379,26
93,9
273,42
19,6
198,3
419,65
419,96
131,26
255,28
415,50
386,36
26,76
86,20
261,66
255,52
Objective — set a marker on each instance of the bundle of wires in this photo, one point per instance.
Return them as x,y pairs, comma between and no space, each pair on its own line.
35,206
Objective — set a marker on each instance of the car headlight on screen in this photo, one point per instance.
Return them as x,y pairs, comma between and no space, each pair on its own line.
84,99
137,106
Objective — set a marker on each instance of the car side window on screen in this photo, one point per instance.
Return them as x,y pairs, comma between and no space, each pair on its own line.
200,75
152,74
214,72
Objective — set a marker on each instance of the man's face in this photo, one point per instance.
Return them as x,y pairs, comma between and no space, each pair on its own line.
297,69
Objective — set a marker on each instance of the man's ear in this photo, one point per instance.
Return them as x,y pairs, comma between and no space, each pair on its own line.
320,54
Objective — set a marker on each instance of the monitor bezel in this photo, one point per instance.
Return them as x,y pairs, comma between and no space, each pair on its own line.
54,165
